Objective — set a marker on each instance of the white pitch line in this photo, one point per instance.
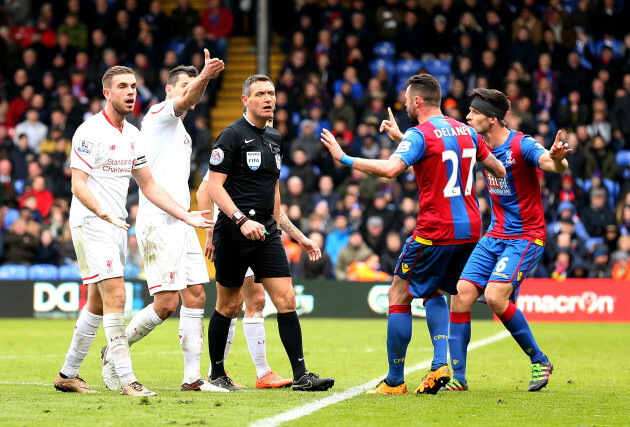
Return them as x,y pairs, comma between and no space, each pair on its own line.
309,408
140,353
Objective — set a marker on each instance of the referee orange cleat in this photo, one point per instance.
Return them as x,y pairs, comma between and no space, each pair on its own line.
384,388
273,380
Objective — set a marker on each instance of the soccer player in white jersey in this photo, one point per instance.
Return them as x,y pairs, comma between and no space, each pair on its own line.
253,322
172,255
105,155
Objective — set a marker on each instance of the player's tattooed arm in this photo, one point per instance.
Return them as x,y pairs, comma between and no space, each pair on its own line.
494,166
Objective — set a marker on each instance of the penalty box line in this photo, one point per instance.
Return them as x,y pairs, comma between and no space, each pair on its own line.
309,408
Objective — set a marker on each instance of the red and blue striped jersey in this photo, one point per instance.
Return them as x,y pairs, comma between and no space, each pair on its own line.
517,211
443,153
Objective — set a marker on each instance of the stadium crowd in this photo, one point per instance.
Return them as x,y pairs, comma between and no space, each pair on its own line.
564,64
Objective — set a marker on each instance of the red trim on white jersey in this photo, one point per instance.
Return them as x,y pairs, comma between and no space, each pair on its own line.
120,129
82,159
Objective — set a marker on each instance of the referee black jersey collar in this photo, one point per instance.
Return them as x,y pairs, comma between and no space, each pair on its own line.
253,126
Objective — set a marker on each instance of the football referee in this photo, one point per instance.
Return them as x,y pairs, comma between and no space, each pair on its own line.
244,172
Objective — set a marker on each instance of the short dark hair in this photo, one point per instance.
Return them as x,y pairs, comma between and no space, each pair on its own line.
494,97
427,87
173,75
253,79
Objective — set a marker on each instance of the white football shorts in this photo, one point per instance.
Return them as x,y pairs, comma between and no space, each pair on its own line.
171,252
101,249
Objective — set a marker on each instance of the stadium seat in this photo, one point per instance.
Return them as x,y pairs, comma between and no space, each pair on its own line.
387,64
69,272
10,217
406,68
438,66
19,186
623,158
43,272
611,186
13,272
385,50
443,80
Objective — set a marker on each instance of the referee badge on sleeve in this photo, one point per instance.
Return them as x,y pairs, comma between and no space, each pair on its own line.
279,161
253,159
216,157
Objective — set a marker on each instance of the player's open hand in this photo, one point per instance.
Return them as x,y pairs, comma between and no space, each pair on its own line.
114,220
311,248
212,67
559,149
208,250
328,139
391,127
196,219
253,230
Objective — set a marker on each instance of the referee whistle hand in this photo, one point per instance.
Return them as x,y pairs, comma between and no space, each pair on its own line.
253,230
114,221
311,248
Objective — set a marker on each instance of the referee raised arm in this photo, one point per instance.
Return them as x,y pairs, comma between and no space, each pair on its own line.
244,171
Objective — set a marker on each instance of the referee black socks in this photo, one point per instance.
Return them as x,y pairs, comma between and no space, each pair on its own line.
217,338
291,337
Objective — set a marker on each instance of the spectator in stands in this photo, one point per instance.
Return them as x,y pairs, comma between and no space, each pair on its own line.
356,250
33,128
47,252
44,197
567,221
599,158
8,194
303,169
19,245
307,141
218,23
326,191
296,194
389,17
374,235
19,105
600,268
390,253
620,259
368,270
338,238
21,156
320,269
523,49
197,43
294,251
598,214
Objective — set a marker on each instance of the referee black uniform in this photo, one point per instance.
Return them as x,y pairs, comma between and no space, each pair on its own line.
251,159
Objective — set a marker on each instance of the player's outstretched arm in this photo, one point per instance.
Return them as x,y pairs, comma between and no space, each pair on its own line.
285,224
391,127
251,229
193,92
82,192
494,166
555,160
205,204
160,198
389,168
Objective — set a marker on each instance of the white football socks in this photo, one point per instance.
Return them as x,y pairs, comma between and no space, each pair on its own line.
191,340
228,344
84,332
142,323
254,330
114,325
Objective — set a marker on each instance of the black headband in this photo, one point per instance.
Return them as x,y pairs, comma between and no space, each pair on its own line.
486,108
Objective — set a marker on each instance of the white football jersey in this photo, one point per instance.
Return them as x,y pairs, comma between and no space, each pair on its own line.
215,209
108,155
168,148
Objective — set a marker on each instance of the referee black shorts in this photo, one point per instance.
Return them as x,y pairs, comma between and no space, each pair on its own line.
234,253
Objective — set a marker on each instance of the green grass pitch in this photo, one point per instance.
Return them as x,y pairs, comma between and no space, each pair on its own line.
590,385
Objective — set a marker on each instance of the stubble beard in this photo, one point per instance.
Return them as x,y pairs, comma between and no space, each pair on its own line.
122,109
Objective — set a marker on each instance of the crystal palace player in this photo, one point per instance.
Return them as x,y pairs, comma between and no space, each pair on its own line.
443,153
515,240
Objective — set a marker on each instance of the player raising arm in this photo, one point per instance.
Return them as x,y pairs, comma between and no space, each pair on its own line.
515,239
443,153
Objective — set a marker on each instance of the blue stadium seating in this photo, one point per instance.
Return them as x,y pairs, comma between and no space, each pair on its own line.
623,158
9,217
19,186
406,68
69,272
438,66
611,186
13,272
43,272
387,64
384,50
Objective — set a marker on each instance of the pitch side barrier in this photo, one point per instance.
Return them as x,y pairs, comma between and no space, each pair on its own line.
573,300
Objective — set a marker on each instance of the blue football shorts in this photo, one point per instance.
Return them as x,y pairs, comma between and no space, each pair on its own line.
501,260
428,268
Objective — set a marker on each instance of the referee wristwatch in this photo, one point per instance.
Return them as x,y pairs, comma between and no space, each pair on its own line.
239,218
